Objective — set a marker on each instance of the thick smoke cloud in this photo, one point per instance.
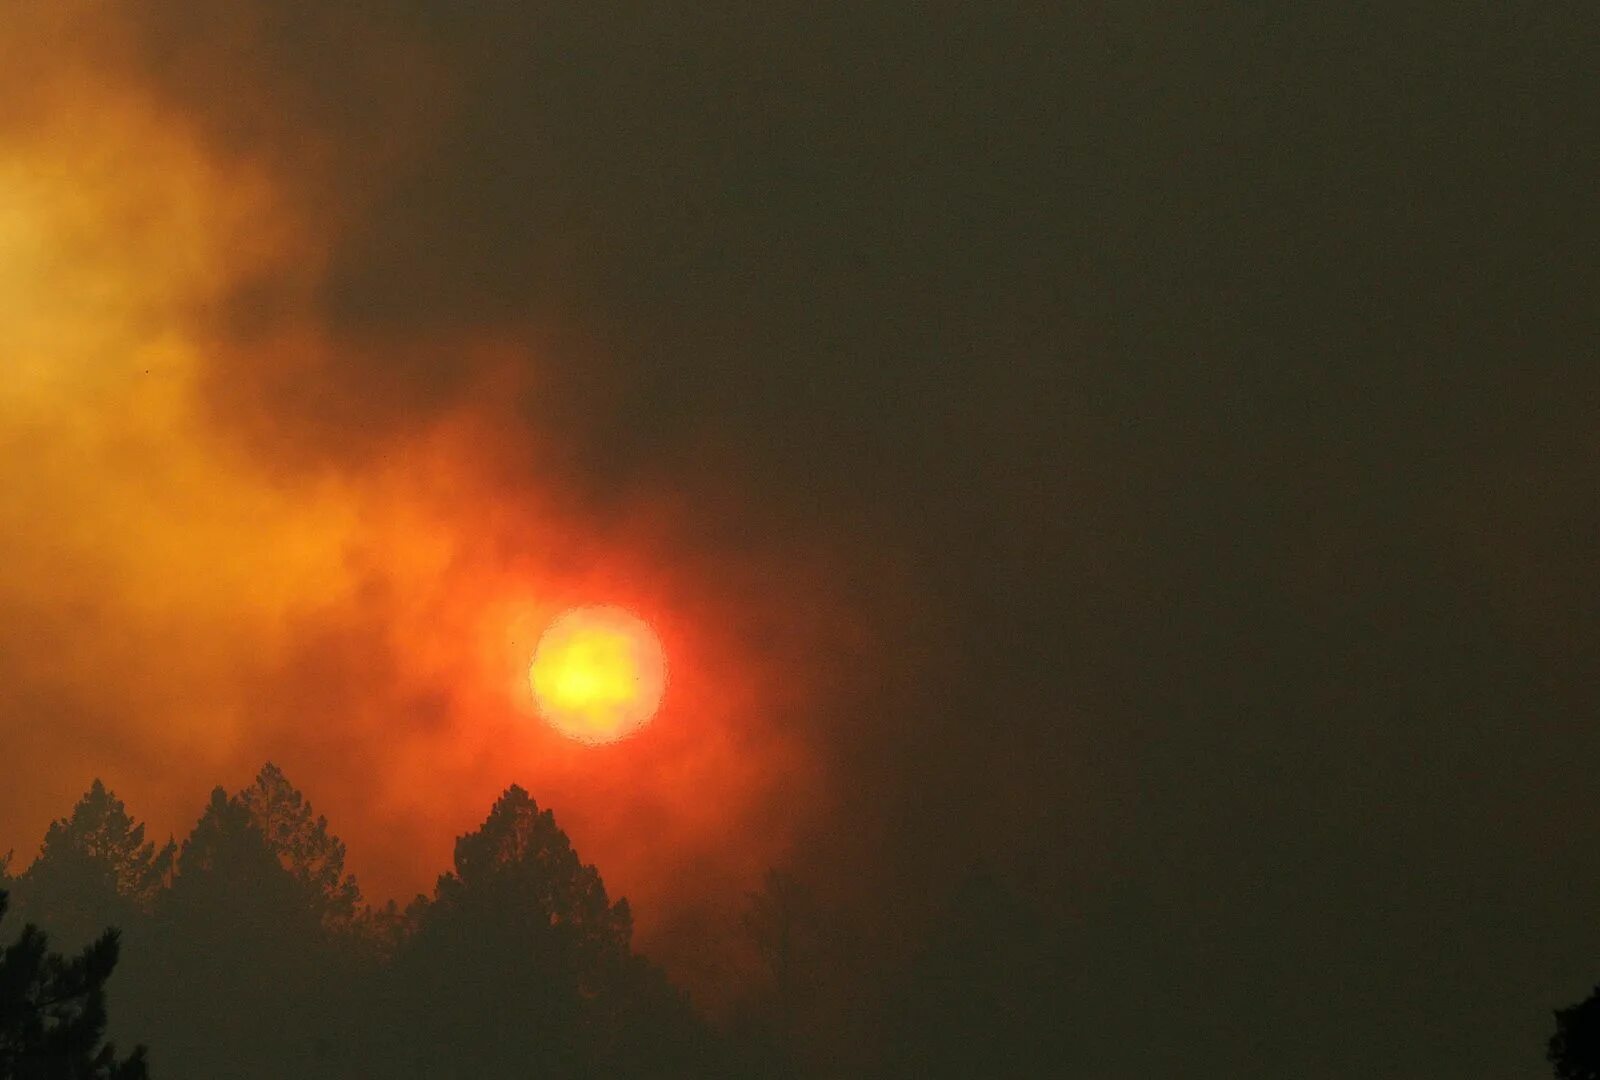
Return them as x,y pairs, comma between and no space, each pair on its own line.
1147,452
758,261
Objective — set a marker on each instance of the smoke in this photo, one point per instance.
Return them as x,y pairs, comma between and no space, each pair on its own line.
251,516
1142,451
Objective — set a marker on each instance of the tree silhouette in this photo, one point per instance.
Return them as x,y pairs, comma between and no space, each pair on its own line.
779,919
775,919
94,869
521,965
53,1011
236,979
1574,1049
302,843
379,933
255,961
227,865
519,857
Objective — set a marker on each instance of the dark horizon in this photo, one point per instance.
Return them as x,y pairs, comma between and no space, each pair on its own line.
248,950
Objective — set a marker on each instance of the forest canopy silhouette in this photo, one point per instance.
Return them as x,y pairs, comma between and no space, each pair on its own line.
248,951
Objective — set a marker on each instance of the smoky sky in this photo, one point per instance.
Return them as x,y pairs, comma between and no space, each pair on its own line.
1217,382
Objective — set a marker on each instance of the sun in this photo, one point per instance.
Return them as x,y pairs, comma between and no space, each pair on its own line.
598,674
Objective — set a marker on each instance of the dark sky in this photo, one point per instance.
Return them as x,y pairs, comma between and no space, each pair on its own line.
1197,402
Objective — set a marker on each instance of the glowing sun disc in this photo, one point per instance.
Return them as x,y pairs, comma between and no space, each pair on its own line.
598,674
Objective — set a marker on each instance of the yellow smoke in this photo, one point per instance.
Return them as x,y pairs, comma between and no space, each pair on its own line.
143,553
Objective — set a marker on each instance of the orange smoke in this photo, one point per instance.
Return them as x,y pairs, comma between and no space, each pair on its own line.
185,608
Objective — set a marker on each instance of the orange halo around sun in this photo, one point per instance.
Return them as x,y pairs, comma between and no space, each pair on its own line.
598,674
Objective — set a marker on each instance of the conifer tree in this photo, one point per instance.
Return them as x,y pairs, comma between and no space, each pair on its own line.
95,868
302,843
53,1011
521,964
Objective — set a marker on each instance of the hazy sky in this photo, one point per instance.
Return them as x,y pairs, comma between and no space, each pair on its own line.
1147,449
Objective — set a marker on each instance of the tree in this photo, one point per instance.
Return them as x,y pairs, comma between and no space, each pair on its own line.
1574,1049
53,1011
521,857
779,920
775,919
302,843
95,868
522,965
379,933
229,875
238,965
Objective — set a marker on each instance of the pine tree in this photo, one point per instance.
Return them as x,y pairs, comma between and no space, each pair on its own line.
521,964
1574,1049
95,868
780,921
238,990
302,843
522,857
53,1011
